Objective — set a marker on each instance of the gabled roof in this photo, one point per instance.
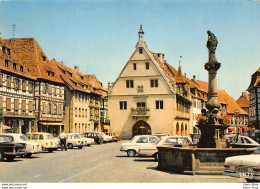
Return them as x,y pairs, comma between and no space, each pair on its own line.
96,84
31,54
243,100
231,103
255,80
13,59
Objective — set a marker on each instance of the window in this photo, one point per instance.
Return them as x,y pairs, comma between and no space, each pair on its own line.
49,108
14,66
140,104
30,106
83,112
16,104
86,113
123,105
134,66
159,104
24,85
55,109
3,49
8,51
1,79
31,87
142,140
23,105
60,91
16,83
6,63
1,102
79,112
21,68
76,112
8,103
154,82
43,58
147,66
8,82
140,50
129,83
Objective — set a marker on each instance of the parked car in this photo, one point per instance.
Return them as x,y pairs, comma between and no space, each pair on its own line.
95,135
117,137
106,138
45,139
151,149
244,166
195,137
9,149
74,140
242,142
31,147
112,135
132,147
87,141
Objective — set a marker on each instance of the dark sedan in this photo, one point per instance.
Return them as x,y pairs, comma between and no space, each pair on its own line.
10,150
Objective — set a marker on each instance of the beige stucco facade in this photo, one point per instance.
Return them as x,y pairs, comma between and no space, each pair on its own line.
144,96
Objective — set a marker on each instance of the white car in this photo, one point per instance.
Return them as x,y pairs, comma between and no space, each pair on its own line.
244,166
30,148
106,137
74,140
87,141
133,146
151,149
243,142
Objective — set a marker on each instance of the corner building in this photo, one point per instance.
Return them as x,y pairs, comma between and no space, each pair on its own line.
143,99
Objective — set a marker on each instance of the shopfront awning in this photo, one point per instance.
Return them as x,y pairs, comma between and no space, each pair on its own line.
50,123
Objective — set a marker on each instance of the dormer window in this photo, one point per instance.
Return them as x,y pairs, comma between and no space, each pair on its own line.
3,49
49,73
8,51
43,58
14,66
21,68
52,73
140,50
6,63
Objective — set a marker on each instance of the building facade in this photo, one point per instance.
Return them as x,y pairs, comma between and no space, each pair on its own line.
254,100
17,101
144,98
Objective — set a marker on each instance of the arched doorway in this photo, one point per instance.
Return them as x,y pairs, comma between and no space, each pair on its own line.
141,128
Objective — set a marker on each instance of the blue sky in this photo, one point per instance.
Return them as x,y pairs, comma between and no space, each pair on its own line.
100,36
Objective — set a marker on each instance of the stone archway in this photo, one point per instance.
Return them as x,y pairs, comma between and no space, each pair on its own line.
182,129
141,128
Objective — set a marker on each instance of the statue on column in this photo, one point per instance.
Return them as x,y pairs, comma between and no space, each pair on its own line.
212,44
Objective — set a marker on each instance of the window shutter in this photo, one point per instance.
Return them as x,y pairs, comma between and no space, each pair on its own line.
30,106
16,104
24,85
24,105
1,102
8,103
8,82
1,79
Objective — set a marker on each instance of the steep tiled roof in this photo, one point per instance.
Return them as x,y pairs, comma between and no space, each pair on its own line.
20,69
231,103
96,84
255,79
31,54
243,100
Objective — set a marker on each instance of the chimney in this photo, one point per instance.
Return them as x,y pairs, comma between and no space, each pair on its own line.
194,77
185,74
76,67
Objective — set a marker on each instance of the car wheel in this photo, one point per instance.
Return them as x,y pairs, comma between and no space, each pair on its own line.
28,155
10,158
43,149
251,180
1,156
50,150
70,146
80,147
101,142
156,157
131,153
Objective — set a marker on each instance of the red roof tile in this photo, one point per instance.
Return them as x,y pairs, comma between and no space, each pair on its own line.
243,100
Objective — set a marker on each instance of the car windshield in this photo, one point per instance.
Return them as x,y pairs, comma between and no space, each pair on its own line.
257,151
49,137
34,136
157,142
76,136
4,139
25,138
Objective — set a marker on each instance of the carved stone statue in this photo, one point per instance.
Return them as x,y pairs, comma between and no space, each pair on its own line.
212,44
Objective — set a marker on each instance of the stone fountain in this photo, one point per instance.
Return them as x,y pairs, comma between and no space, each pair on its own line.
209,156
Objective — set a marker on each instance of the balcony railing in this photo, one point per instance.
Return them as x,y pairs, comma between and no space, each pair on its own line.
184,115
140,112
104,121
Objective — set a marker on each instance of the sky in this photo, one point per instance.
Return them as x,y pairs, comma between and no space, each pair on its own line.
99,36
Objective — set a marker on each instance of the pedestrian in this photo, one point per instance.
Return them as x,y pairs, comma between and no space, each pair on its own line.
63,138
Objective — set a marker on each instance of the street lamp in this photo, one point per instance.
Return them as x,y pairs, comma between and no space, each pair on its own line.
236,117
